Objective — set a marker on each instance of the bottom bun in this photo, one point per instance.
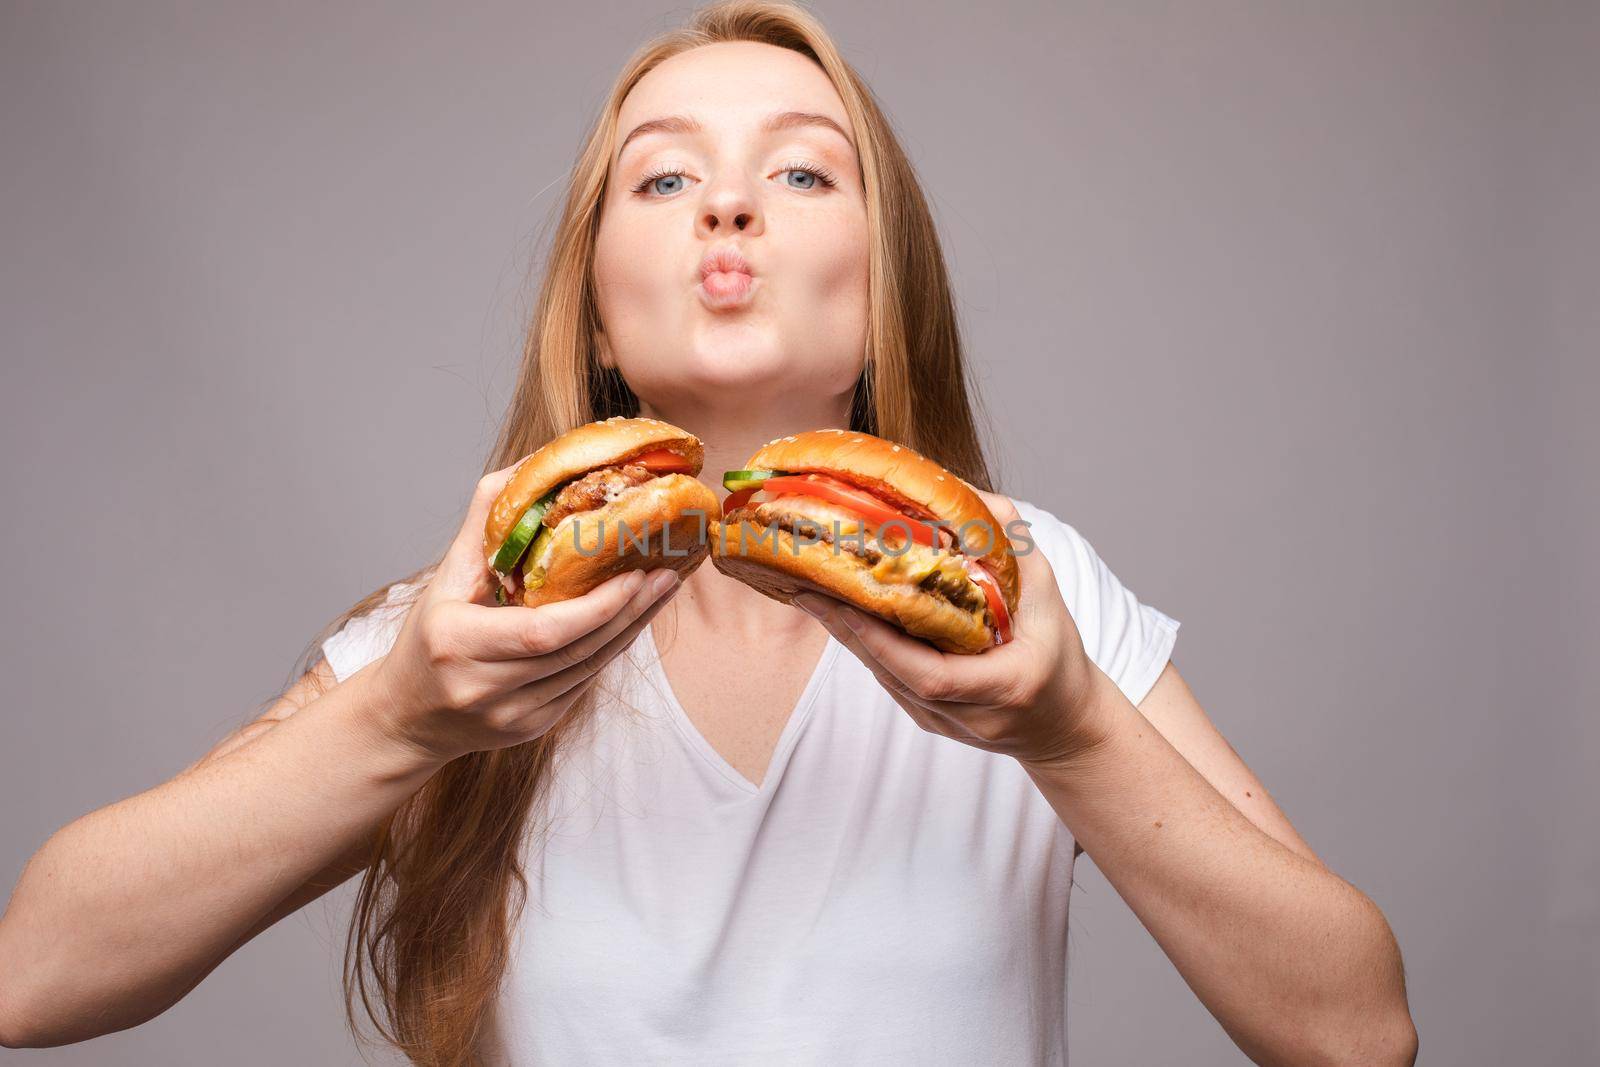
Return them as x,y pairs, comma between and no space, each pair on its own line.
667,518
770,561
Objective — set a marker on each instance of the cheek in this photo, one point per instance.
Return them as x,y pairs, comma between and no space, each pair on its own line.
838,256
835,267
628,258
826,322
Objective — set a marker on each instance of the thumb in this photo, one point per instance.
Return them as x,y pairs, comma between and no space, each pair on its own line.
1008,521
1035,576
464,572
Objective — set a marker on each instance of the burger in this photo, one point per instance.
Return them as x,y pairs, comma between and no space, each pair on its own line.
876,525
600,499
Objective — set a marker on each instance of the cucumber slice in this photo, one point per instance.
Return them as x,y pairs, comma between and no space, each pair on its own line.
736,480
533,563
522,534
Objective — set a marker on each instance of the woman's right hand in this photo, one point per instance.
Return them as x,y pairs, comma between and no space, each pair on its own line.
466,674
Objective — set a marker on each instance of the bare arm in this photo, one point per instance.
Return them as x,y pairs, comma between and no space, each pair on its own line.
125,910
1296,964
1171,707
315,683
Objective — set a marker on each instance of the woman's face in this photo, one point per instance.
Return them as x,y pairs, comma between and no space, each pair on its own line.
787,197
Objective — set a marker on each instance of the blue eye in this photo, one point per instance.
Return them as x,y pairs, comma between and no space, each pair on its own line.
816,173
659,175
653,180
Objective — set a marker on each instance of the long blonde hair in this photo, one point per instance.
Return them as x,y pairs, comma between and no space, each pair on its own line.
429,938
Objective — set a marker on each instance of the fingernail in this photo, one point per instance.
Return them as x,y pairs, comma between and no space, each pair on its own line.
631,584
809,605
664,581
851,618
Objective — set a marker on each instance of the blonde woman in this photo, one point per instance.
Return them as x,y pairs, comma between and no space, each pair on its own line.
692,825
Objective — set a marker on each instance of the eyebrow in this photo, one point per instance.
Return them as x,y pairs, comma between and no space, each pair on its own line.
783,120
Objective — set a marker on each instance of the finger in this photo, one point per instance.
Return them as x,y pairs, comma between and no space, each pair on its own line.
997,503
657,588
1005,514
1040,603
517,632
553,694
464,573
934,716
1037,579
941,681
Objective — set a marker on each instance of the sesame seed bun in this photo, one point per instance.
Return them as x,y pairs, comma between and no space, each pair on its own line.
780,566
666,517
663,523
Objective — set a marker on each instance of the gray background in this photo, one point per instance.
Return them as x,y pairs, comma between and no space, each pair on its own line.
1289,308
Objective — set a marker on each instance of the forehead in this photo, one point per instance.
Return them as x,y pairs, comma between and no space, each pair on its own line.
732,84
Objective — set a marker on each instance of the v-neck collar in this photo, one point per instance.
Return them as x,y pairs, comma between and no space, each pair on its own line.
798,716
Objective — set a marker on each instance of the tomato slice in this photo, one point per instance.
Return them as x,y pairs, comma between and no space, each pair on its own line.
663,461
877,511
859,501
997,602
739,498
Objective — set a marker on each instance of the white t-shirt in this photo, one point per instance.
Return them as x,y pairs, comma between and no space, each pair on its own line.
885,895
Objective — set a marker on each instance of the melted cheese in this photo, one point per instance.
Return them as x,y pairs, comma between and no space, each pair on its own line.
916,563
910,566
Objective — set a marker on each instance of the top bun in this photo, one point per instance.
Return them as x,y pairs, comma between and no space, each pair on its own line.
902,476
611,442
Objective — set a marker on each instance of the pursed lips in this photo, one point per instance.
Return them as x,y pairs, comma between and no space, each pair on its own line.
726,279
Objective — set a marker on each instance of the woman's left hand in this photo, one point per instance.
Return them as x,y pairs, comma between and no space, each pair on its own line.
1030,698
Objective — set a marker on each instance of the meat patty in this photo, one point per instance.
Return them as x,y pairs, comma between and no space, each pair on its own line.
594,489
815,519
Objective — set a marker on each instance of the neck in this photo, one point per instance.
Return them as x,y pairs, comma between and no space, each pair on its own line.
732,436
709,598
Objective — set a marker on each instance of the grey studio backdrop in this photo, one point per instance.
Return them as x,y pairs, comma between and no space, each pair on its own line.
1289,308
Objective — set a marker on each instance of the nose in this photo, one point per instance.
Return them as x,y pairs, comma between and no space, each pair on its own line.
729,207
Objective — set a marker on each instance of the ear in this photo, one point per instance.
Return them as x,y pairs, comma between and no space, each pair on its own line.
603,350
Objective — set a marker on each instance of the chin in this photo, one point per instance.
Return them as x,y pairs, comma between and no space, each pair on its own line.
749,358
735,357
